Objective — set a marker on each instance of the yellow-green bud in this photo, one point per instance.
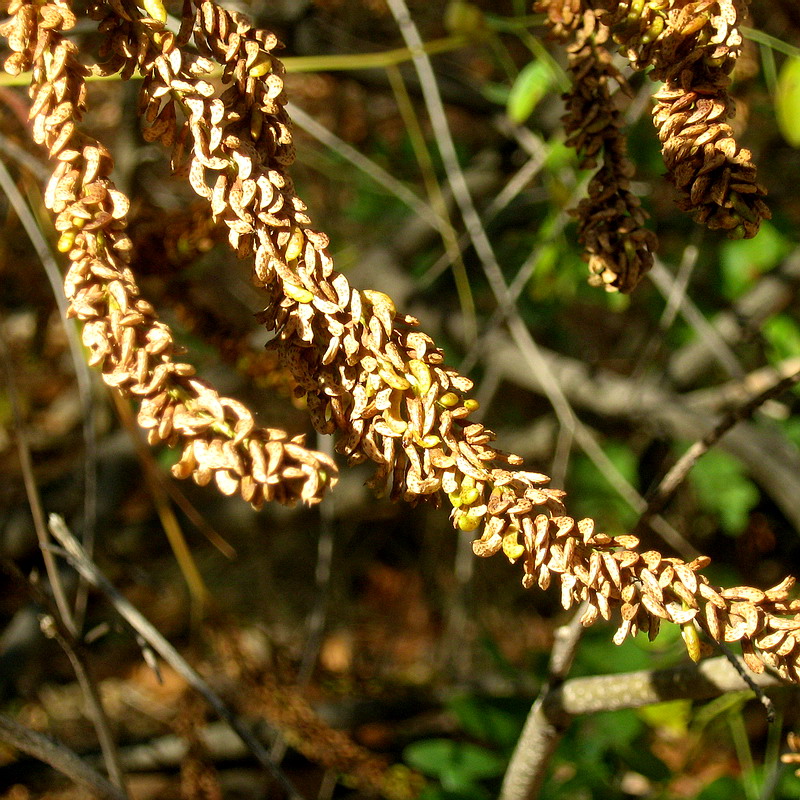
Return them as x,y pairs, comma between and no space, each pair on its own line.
298,293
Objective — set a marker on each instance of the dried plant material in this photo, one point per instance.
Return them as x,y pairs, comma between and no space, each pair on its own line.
284,705
123,337
611,221
693,48
364,369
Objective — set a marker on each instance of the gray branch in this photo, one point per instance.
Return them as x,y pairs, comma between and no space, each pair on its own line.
772,461
59,757
77,556
554,710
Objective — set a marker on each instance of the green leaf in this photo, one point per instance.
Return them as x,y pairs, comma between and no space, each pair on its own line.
721,707
497,720
783,336
787,101
472,792
724,788
671,717
744,260
723,488
532,84
455,764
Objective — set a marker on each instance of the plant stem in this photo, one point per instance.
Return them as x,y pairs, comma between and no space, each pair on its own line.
327,63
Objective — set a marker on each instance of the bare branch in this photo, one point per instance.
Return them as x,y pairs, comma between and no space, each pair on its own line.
553,712
59,757
540,736
85,566
673,479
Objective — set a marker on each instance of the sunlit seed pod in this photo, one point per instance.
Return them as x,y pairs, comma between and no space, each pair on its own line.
422,375
471,405
155,10
449,400
431,440
261,67
511,547
294,246
469,495
394,415
455,499
468,522
654,31
467,482
65,241
297,293
691,640
379,299
78,222
397,426
636,9
391,378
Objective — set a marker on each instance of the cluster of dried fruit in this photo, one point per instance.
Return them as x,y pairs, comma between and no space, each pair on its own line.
692,47
364,370
611,221
124,339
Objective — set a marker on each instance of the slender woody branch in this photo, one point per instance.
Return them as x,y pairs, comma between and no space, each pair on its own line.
78,558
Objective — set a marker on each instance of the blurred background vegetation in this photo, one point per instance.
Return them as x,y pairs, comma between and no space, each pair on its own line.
375,614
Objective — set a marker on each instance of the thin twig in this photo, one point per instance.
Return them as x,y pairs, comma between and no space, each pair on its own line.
528,347
19,154
744,673
65,630
198,592
437,202
664,282
58,757
540,736
662,494
334,62
710,678
31,489
315,623
379,175
83,378
80,561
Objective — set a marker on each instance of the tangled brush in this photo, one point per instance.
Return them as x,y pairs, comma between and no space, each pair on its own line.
213,94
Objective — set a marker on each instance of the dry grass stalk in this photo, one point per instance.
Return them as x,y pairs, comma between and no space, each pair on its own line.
793,756
364,369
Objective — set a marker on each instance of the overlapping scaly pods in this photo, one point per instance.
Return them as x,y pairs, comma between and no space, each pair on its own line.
124,339
368,373
611,221
692,46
